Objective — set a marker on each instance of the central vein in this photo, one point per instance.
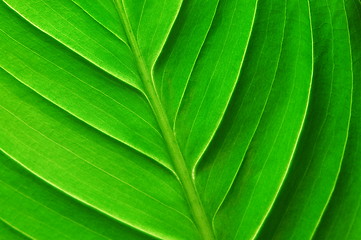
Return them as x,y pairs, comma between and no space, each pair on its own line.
194,201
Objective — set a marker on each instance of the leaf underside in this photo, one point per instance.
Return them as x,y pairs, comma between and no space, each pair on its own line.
156,119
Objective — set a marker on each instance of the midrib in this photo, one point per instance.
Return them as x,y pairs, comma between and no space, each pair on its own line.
195,204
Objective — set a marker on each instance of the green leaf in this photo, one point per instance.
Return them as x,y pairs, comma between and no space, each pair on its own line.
344,206
317,161
156,119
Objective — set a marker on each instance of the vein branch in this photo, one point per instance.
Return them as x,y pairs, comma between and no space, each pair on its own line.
195,204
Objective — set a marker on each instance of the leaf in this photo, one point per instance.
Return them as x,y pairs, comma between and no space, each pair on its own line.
318,159
345,201
155,119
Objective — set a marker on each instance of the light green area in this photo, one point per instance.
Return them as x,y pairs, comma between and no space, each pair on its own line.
158,119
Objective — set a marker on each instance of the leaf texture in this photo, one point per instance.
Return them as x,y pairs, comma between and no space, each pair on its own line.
156,119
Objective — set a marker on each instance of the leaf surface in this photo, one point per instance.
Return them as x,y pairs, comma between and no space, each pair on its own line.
317,161
155,119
